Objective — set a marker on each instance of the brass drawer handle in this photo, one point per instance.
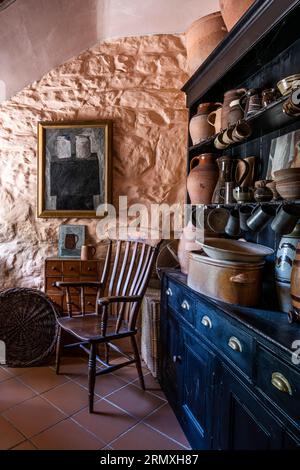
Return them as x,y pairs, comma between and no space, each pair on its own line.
185,305
280,382
206,321
235,344
169,292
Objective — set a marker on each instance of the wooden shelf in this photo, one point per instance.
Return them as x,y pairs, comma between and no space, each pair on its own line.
250,203
266,120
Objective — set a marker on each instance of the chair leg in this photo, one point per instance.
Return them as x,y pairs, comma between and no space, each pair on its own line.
58,350
138,362
92,376
107,351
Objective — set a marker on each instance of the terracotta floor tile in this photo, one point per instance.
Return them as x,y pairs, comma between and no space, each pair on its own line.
33,416
135,401
107,422
129,373
66,435
13,392
105,384
42,379
26,445
9,436
141,437
17,371
69,397
164,420
152,386
4,374
73,366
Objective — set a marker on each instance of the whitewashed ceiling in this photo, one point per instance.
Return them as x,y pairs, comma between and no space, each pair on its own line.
37,35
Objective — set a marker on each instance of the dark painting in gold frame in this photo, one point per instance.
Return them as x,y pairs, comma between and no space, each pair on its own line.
74,168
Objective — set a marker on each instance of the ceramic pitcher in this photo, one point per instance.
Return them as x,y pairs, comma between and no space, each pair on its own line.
228,173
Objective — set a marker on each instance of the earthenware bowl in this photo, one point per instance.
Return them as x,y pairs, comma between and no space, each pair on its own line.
233,250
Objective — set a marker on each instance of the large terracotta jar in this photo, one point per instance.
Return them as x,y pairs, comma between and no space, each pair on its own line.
187,243
202,38
233,10
202,178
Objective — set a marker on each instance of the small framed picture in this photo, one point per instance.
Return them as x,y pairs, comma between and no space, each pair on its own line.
71,239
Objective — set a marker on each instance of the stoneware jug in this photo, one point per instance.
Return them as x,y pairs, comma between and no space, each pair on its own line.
294,314
215,119
228,173
202,178
229,97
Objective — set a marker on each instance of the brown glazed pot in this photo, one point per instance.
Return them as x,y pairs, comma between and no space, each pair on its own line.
233,10
229,97
202,38
294,314
202,178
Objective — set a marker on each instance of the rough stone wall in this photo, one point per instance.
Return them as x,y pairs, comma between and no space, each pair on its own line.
133,81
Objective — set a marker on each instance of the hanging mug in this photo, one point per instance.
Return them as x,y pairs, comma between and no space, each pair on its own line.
260,217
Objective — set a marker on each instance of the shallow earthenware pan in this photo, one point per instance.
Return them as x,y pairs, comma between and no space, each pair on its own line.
232,250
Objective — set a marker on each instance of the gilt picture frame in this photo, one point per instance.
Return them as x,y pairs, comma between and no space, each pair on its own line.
74,168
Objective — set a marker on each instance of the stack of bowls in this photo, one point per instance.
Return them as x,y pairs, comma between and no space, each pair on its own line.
288,183
287,84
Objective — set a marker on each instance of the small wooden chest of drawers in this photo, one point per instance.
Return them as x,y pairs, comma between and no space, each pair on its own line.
58,269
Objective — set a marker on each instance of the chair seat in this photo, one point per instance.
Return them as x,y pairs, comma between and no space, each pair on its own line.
87,328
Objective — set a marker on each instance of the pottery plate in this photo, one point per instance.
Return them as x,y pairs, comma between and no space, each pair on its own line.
232,250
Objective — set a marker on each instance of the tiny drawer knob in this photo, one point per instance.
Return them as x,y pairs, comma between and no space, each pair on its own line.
89,269
176,359
280,382
206,321
71,268
185,305
235,344
53,268
169,292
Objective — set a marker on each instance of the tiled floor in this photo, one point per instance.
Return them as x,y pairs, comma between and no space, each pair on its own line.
40,410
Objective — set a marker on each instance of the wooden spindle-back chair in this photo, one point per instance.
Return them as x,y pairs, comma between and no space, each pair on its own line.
115,314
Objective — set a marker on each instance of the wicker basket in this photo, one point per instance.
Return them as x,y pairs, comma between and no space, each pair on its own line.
28,327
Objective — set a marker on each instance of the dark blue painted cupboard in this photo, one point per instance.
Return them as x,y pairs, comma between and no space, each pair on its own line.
228,372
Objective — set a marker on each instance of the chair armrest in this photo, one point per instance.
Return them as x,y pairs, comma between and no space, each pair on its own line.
96,285
119,298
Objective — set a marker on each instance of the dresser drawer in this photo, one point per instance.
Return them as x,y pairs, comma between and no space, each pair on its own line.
279,382
181,301
233,342
89,268
50,287
71,268
90,303
53,268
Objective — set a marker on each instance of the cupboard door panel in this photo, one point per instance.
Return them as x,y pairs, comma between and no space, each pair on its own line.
198,392
245,424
